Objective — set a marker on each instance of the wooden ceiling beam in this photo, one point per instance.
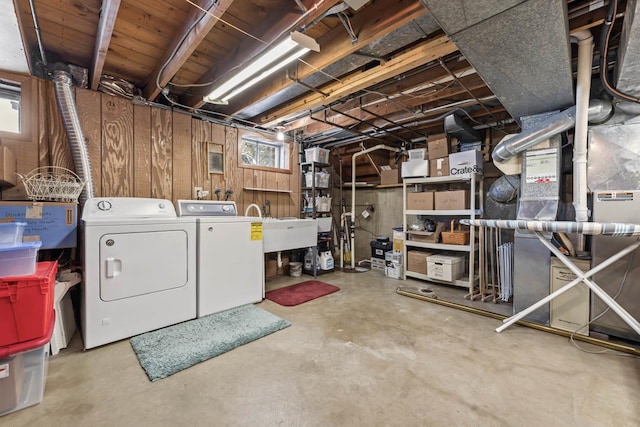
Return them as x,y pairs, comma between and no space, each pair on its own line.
417,56
193,32
107,21
373,23
27,33
279,23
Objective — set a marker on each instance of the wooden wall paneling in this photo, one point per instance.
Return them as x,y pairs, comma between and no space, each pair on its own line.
117,147
181,156
218,136
89,105
233,174
272,182
248,180
161,153
58,141
294,182
200,137
283,199
260,182
141,151
40,98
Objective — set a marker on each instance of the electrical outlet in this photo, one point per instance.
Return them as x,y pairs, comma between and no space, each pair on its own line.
197,193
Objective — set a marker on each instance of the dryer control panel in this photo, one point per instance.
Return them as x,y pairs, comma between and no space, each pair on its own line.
207,208
128,207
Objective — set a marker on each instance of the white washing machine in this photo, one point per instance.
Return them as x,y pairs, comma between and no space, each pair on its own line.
139,268
230,265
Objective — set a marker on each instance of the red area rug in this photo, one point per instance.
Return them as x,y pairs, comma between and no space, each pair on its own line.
302,292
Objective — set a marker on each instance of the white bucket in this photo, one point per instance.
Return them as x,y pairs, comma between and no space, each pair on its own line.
295,269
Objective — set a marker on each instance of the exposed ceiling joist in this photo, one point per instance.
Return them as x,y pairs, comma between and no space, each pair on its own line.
421,54
108,15
373,23
193,32
271,29
27,32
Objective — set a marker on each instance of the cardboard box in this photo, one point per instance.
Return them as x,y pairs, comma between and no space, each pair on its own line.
55,224
451,200
420,201
428,238
8,167
390,176
439,167
466,162
447,268
438,148
417,261
398,239
271,266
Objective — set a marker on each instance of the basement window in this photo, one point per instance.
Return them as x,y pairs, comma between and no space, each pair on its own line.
9,106
261,152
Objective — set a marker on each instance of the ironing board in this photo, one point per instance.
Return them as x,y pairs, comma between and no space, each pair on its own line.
589,228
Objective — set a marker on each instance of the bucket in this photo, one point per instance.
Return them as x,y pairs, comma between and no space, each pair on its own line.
295,269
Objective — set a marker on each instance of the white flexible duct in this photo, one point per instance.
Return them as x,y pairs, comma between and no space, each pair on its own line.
353,195
69,113
583,87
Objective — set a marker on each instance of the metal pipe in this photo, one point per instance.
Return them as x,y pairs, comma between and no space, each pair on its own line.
353,195
369,124
36,26
69,113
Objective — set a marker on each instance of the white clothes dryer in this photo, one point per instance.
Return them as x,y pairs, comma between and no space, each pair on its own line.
139,268
230,258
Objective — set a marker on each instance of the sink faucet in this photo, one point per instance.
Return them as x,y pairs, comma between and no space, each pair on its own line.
253,205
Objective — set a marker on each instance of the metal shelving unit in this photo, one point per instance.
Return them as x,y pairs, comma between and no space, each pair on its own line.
314,192
474,182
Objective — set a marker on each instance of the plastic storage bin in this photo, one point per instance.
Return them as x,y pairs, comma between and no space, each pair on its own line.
316,154
11,233
26,304
19,260
23,386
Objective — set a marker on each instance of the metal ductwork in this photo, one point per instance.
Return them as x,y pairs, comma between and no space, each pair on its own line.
628,68
455,126
62,82
520,48
508,148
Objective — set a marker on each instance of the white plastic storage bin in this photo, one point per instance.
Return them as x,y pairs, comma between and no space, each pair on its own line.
11,233
19,260
448,268
28,379
316,154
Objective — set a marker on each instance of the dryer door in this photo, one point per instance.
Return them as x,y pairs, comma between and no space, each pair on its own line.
133,264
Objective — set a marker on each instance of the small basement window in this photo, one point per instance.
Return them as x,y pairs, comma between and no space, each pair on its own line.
261,152
10,106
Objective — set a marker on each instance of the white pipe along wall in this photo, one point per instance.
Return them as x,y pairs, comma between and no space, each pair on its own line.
583,88
353,195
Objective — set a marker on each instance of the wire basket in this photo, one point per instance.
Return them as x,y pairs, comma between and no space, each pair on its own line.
53,183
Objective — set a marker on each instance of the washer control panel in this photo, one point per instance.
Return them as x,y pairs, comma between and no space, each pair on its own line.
207,208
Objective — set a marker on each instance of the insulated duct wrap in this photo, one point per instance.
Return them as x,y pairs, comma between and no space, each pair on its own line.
64,96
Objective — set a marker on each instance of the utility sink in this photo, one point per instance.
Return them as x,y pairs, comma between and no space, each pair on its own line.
281,234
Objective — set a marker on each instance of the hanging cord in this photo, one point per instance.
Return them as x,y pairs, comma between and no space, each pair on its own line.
604,50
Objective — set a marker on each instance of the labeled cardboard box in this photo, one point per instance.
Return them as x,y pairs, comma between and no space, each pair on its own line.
54,224
465,162
451,200
390,176
439,167
438,148
398,239
8,167
448,268
417,261
420,201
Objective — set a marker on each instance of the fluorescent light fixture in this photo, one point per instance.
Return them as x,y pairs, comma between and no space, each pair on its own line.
283,53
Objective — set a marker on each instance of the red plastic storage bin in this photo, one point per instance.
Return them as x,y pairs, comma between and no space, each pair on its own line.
26,304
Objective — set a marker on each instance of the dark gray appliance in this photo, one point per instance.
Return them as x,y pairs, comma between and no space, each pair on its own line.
616,206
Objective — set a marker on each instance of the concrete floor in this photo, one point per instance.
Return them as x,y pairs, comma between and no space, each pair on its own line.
361,356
